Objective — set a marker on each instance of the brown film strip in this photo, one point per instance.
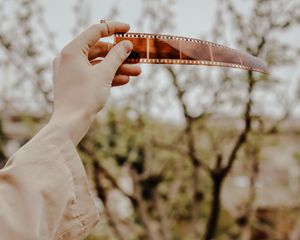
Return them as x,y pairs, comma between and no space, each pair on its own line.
167,49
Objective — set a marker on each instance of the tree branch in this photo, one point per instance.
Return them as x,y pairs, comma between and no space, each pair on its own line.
101,193
247,128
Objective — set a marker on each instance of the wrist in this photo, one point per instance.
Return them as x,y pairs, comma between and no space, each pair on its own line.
75,125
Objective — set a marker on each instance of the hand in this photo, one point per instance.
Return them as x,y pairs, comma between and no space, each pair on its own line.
82,84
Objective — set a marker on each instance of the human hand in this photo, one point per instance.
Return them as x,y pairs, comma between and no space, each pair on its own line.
82,84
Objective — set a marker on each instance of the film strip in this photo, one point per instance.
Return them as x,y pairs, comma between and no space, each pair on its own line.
167,49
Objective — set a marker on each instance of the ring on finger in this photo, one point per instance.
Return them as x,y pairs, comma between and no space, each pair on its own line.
106,23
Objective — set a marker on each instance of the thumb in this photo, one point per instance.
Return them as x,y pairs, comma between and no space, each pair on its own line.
117,55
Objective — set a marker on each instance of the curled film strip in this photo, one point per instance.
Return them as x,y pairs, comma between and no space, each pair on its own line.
167,49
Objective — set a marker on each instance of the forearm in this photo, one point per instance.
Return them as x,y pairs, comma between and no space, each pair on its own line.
44,190
75,125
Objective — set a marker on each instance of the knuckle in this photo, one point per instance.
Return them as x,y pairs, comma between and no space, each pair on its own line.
120,54
96,28
66,53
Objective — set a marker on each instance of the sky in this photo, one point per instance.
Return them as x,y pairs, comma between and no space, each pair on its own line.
190,20
193,18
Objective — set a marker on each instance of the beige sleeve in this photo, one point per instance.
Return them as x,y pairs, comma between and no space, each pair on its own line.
44,192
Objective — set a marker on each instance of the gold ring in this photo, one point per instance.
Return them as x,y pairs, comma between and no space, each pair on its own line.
106,23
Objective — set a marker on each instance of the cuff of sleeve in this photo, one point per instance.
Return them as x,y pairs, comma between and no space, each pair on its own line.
81,214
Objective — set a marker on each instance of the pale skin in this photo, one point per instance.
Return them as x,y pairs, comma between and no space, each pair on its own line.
82,84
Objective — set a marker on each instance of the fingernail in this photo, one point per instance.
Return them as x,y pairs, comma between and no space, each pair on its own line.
128,45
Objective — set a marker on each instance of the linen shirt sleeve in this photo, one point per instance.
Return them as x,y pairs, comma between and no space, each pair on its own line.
44,192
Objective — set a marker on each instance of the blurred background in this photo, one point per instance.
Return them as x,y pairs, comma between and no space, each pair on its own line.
181,152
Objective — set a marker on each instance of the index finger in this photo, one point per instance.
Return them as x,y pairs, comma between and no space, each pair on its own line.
90,36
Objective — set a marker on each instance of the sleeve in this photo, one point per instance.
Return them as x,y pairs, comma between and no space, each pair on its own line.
44,192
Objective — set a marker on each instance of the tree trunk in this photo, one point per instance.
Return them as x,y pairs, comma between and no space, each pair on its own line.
215,208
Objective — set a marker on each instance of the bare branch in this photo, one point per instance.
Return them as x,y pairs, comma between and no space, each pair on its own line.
105,172
247,128
102,194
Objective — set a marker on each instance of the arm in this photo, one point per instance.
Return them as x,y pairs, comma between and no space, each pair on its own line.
44,191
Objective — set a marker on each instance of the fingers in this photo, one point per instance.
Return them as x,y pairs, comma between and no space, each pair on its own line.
120,80
124,69
117,55
100,49
90,36
129,69
123,74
